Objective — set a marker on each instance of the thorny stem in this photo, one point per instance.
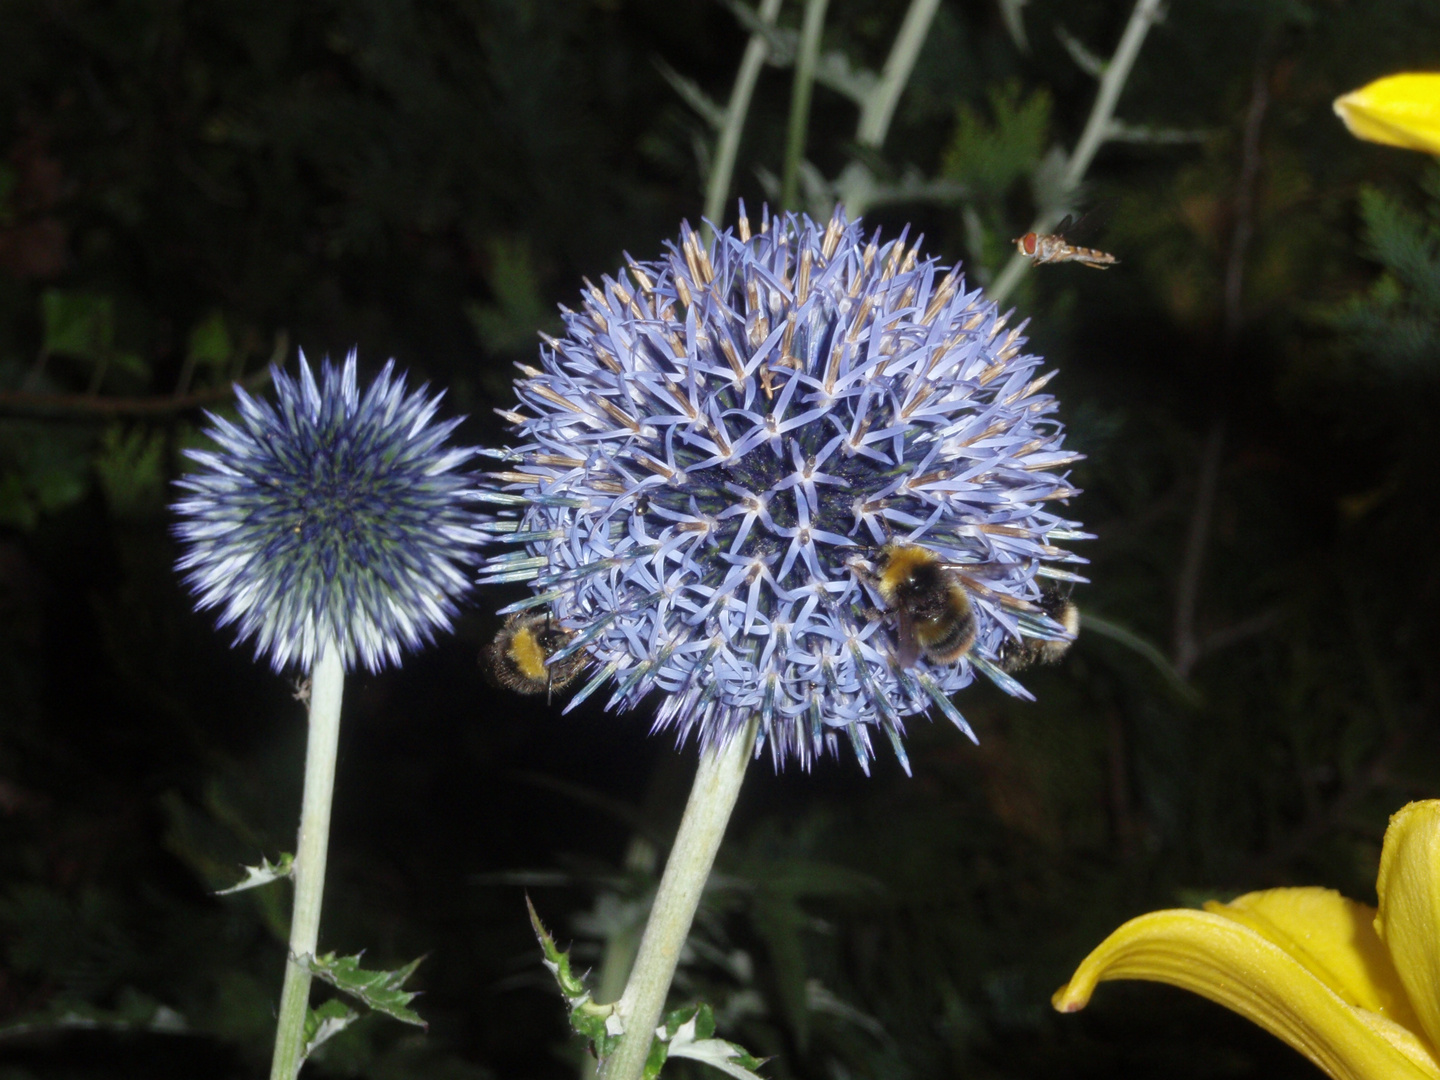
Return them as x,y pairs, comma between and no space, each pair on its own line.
1187,594
801,89
722,169
326,684
1097,130
879,107
712,798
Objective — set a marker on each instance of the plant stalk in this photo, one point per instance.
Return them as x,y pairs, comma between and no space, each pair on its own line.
879,107
712,798
727,146
327,681
806,58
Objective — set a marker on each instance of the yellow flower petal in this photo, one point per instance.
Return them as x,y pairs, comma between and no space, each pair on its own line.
1409,919
1333,938
1400,110
1230,963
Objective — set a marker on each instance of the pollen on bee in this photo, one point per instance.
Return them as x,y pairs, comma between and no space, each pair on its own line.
528,656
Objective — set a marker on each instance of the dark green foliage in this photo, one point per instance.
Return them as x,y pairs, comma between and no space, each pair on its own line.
189,190
1397,322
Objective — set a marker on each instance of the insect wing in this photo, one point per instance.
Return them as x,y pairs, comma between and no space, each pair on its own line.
907,649
1078,228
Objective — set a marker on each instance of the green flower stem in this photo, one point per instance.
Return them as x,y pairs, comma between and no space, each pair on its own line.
717,785
326,684
805,60
722,170
879,107
1097,130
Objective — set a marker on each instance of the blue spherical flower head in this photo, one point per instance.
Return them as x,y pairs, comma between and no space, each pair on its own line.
331,515
714,453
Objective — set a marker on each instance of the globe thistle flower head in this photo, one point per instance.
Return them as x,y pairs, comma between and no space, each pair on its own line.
330,515
712,456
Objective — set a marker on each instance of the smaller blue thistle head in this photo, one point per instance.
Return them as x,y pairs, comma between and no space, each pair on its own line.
331,516
725,439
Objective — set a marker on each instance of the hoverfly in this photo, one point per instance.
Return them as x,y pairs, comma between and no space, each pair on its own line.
1055,247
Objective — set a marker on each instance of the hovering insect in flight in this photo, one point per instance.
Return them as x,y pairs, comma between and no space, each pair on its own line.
519,657
1041,248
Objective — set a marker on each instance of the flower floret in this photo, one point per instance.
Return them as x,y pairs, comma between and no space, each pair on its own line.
331,515
721,442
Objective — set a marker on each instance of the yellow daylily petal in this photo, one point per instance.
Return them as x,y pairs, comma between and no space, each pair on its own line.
1409,918
1229,963
1333,938
1399,110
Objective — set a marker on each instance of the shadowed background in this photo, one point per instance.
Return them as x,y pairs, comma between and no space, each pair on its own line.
187,189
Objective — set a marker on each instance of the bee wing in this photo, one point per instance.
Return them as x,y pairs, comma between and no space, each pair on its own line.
907,649
968,573
1066,224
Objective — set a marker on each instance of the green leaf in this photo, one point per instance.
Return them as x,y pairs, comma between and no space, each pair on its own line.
990,155
133,1011
78,324
380,990
1396,323
510,323
266,872
210,344
326,1022
597,1023
128,464
43,469
690,1033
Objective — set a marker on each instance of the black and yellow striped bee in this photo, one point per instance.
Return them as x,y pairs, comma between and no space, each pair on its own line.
930,599
1016,654
519,657
932,610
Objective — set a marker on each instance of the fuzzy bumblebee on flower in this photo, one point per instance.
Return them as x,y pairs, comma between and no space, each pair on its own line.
792,487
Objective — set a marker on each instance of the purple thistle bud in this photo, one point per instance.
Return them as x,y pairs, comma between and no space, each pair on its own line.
715,451
331,515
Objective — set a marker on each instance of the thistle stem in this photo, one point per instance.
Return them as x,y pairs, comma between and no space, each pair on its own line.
326,684
722,170
879,107
712,798
805,60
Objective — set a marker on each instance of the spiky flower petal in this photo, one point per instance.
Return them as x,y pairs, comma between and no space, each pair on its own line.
331,514
724,437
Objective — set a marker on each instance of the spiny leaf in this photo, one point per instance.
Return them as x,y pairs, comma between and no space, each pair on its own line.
597,1023
380,990
326,1022
689,1033
263,874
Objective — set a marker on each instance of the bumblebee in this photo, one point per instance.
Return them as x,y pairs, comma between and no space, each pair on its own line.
518,658
1016,654
931,608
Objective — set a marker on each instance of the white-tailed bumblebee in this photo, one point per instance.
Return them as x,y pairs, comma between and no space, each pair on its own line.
932,610
1016,654
518,658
